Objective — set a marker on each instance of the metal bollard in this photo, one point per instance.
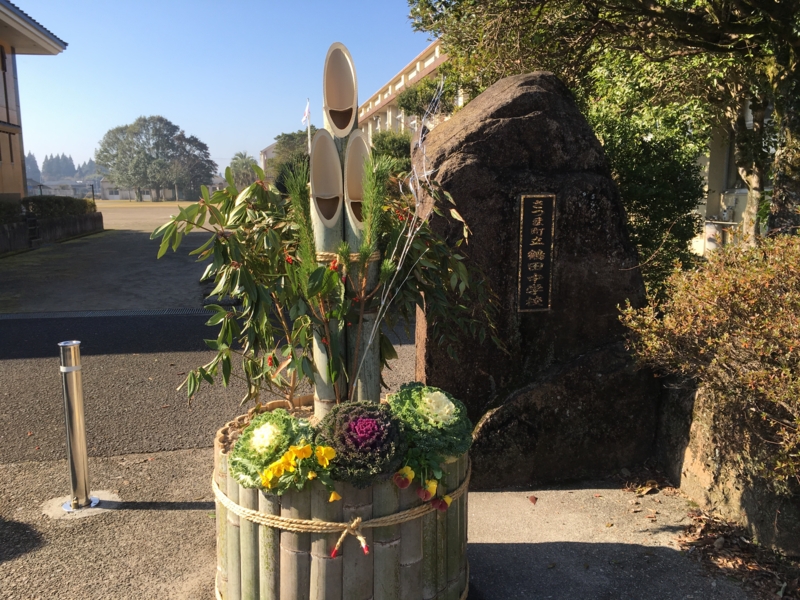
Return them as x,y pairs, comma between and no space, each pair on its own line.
72,383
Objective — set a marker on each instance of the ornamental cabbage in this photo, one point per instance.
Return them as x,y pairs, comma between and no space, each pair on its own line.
267,438
367,439
436,425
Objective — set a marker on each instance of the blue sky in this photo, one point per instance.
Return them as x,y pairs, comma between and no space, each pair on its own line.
235,73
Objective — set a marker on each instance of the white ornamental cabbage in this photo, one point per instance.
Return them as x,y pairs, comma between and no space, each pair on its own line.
439,409
264,438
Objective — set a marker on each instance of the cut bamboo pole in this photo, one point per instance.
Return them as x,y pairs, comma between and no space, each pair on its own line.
234,550
386,501
248,545
339,91
357,573
441,552
453,516
269,555
326,572
327,223
368,365
429,549
295,548
463,509
221,478
410,548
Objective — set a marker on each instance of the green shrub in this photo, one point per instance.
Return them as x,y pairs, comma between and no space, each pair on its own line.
52,207
732,326
394,144
10,212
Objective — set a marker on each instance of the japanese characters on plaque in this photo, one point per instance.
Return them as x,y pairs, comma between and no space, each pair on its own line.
537,218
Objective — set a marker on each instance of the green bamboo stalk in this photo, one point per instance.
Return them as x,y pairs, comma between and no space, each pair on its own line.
441,552
326,572
385,502
248,545
234,550
452,517
429,550
327,224
295,548
221,478
463,520
357,574
410,548
269,541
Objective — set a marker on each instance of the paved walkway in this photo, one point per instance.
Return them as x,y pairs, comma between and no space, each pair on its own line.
149,447
115,269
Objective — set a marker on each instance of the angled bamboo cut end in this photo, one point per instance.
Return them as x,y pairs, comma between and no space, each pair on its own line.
339,91
326,188
354,163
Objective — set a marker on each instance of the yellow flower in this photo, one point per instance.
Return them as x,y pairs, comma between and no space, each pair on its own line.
334,497
277,468
289,461
312,475
447,499
301,452
408,473
325,454
266,479
430,486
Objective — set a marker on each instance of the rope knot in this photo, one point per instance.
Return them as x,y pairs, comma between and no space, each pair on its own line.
352,528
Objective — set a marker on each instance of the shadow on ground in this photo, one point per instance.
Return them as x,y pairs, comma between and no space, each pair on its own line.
17,539
595,571
39,338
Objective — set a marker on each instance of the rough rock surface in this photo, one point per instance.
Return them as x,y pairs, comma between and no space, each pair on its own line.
689,450
525,135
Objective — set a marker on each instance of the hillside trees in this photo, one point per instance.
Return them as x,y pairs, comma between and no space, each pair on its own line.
57,167
154,153
289,149
32,167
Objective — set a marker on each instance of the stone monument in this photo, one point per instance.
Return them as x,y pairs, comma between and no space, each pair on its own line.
549,232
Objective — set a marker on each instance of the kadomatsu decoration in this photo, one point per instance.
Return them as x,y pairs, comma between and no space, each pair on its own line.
306,277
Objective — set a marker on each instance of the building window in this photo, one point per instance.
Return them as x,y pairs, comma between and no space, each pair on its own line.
113,192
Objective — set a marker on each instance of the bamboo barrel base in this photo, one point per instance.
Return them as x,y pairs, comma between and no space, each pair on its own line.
423,558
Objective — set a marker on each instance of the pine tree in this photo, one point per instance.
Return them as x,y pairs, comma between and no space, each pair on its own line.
32,167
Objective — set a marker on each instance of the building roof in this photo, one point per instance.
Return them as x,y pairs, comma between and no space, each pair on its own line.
26,35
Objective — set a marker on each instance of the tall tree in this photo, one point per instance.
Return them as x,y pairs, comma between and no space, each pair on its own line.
32,167
762,35
289,148
242,168
152,153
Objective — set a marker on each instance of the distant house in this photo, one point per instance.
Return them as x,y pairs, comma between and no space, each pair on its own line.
37,188
266,154
19,34
111,191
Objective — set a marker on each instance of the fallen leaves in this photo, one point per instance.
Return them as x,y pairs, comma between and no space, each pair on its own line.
725,547
533,499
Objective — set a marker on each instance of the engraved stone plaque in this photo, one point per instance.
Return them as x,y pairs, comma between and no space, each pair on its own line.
537,223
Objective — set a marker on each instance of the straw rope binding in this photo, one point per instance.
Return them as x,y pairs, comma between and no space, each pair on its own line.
353,528
329,257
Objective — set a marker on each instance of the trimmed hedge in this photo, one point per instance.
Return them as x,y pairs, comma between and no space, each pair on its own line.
52,207
10,212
